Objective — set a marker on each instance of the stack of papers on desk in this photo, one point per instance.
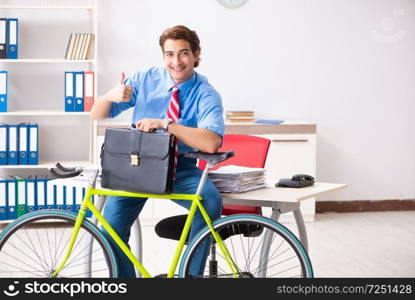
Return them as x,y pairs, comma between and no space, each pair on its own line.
237,179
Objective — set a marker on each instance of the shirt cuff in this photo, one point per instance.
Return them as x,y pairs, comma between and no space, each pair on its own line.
216,130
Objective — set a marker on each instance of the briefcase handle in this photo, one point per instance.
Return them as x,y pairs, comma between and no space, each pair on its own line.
133,126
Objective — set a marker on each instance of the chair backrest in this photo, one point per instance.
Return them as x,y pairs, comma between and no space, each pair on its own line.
250,151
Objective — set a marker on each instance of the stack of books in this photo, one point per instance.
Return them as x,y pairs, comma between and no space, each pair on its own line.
240,116
80,46
237,179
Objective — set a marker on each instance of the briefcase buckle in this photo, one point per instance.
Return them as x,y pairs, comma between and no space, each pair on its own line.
135,159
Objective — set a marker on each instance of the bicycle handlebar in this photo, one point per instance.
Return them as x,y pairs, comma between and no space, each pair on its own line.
64,169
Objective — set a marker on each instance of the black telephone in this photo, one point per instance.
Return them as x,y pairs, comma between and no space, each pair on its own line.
297,181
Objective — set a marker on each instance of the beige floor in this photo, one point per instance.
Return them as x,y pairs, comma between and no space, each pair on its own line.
375,244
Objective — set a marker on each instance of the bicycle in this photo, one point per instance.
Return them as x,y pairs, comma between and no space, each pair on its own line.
58,243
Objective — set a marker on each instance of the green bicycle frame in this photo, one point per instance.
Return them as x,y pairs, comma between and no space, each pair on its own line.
196,204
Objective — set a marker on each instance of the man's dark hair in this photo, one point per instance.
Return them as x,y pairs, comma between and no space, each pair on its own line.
181,32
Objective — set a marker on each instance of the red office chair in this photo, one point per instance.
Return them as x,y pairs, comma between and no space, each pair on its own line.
250,151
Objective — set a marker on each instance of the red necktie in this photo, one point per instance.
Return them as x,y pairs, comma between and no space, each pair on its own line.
173,114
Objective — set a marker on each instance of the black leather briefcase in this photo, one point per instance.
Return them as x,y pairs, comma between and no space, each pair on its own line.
138,161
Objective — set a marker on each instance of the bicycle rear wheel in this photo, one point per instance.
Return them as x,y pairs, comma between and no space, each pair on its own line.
259,247
35,244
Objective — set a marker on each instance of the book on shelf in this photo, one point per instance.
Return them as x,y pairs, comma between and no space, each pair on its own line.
3,90
240,118
80,46
9,38
86,44
240,113
90,49
70,46
79,91
71,52
3,38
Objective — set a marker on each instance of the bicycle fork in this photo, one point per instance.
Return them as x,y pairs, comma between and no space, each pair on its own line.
78,223
228,258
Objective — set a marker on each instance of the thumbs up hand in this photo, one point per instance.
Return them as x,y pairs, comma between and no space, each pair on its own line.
120,92
122,78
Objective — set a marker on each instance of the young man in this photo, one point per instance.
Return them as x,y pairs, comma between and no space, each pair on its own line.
197,122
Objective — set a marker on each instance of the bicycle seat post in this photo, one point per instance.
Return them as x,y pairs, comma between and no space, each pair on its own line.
94,181
203,179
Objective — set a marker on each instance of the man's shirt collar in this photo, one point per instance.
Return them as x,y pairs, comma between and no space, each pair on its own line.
184,87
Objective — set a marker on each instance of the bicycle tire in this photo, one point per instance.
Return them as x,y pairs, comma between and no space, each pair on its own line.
286,257
35,244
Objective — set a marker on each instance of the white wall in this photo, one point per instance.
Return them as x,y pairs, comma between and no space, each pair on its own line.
347,65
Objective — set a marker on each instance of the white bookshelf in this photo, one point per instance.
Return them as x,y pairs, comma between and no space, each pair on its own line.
51,120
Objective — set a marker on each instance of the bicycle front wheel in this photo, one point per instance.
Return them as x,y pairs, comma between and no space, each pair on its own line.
258,247
35,244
